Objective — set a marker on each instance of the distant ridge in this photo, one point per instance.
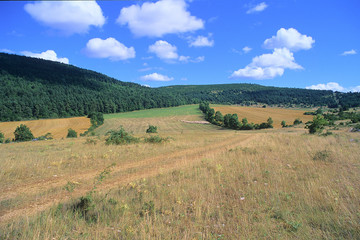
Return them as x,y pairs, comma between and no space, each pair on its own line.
32,88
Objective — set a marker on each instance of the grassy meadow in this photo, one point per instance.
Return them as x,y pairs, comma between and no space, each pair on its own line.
206,182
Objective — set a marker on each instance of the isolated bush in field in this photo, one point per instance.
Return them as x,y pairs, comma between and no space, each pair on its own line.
47,136
151,129
7,140
156,139
120,137
317,125
2,137
283,124
297,121
324,156
71,133
270,122
23,133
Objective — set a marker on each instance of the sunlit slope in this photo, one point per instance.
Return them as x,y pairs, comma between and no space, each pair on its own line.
259,115
57,127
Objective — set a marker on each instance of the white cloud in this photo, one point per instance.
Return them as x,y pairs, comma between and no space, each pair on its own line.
67,16
5,50
159,18
193,60
198,59
164,50
258,8
246,49
267,66
184,58
201,41
47,55
290,39
108,48
156,77
334,87
351,52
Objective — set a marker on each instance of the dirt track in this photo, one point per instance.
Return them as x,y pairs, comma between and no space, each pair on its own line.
121,174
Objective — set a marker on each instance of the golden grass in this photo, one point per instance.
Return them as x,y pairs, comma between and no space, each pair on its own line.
206,183
269,187
259,115
57,127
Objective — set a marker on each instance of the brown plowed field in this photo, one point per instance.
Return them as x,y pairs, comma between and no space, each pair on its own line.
57,127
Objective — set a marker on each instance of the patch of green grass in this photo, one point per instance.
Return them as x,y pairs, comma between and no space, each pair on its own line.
158,112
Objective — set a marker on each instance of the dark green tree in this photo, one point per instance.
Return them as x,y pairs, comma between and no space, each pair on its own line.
219,118
2,137
283,124
23,133
270,122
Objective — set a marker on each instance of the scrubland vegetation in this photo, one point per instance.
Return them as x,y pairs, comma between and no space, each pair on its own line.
207,182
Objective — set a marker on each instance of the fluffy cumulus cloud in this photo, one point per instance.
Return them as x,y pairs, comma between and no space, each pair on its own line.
159,18
290,39
334,87
258,8
164,50
351,52
267,66
156,77
201,41
47,55
67,16
108,48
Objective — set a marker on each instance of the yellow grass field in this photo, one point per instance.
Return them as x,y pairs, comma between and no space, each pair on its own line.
207,182
57,127
259,115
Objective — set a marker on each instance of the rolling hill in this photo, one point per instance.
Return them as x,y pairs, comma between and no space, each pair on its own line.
33,88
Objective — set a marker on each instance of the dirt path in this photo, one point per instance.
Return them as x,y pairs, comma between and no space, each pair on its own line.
121,174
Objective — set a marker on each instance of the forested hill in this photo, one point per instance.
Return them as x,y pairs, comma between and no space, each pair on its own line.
35,88
32,88
253,93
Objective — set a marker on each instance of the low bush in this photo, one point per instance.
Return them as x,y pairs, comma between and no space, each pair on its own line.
324,156
151,129
120,137
156,139
2,137
71,133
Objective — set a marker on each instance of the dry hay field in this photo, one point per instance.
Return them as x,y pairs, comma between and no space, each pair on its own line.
259,115
57,127
205,183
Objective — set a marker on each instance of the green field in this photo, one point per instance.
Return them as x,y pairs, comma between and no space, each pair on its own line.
158,112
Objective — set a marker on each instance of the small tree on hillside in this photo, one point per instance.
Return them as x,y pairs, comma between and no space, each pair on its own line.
270,122
283,123
71,133
22,133
297,121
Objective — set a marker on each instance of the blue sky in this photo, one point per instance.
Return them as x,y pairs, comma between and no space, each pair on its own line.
284,43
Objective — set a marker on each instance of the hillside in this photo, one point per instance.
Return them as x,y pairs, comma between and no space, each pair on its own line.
33,88
253,93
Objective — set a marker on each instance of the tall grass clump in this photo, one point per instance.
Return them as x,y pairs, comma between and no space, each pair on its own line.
120,137
156,139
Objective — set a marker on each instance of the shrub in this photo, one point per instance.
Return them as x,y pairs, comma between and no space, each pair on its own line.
317,125
90,141
120,137
2,137
96,118
7,140
47,136
297,121
71,133
23,133
151,129
324,156
283,124
156,139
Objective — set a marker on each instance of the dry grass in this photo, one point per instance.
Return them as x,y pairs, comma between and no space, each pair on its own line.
206,183
57,127
259,115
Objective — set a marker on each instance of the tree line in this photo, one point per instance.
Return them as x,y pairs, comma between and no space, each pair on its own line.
231,121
